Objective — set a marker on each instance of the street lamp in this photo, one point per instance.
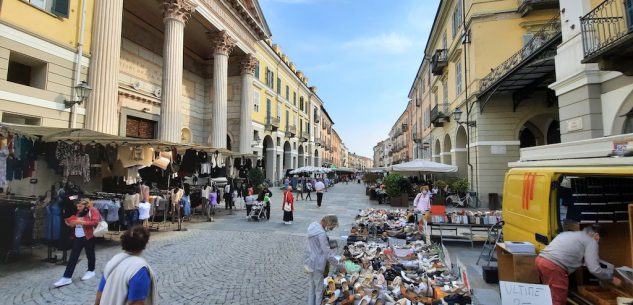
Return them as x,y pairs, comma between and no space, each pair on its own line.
457,115
82,91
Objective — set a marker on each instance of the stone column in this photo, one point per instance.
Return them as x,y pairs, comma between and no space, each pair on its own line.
103,75
176,13
246,127
223,45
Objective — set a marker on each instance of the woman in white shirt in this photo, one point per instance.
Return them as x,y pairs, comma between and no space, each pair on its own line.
143,213
422,201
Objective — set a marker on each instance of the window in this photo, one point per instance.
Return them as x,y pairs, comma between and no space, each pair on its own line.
458,78
256,101
139,128
269,109
278,85
445,95
20,119
26,70
427,118
444,42
55,7
300,126
294,99
301,103
457,17
287,93
270,78
257,71
279,111
287,119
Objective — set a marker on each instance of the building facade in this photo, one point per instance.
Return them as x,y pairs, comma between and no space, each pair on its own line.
41,62
182,71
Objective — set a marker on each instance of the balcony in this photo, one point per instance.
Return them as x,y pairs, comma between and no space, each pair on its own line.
607,36
329,130
438,118
528,6
318,142
291,131
317,118
404,127
416,137
272,123
304,136
439,61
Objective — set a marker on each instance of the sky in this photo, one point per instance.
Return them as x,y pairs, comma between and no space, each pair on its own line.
361,54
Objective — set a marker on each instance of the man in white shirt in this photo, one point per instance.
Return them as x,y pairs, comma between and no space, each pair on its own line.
319,187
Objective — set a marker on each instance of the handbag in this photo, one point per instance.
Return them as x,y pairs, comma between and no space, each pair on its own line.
101,228
287,206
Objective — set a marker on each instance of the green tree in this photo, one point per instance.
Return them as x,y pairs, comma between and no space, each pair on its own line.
256,177
396,185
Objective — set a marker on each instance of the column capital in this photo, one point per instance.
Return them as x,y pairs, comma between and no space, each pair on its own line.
248,64
222,42
179,10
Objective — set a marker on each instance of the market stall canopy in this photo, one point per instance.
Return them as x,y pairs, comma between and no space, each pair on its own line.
346,169
310,169
423,166
377,170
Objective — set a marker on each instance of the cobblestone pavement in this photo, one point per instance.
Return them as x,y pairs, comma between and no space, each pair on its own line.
229,261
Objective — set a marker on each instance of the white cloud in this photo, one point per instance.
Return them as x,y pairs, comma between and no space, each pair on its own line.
393,43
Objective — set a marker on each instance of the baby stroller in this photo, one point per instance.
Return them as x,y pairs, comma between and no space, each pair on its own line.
257,211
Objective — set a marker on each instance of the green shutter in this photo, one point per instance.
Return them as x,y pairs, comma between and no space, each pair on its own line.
60,8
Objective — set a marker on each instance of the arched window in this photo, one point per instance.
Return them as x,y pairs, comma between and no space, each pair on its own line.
628,123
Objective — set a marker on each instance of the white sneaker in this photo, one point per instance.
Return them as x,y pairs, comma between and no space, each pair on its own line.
88,275
63,282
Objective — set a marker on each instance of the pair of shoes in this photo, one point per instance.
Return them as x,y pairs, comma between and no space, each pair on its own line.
88,275
63,282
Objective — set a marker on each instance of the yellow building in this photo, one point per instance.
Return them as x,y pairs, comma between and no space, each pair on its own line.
286,114
44,54
492,77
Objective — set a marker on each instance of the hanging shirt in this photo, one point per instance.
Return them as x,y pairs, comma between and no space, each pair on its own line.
143,210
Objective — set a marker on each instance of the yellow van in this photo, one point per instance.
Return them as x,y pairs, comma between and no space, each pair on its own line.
543,198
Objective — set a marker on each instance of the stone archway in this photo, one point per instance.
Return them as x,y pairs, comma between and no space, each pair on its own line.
268,154
461,142
437,150
553,132
447,157
301,157
287,156
530,135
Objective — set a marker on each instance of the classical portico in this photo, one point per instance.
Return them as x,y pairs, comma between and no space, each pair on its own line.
173,69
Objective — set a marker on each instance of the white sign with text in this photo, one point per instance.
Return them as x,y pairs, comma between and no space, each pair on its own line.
524,294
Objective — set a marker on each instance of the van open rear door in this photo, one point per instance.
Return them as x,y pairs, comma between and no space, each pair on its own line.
527,206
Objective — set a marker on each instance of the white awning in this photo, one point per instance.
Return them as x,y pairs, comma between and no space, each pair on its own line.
423,166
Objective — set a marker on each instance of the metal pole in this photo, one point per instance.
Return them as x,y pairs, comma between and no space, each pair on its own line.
77,72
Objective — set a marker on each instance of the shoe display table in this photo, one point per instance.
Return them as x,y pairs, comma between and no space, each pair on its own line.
459,232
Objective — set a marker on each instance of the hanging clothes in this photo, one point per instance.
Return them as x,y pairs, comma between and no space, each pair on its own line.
78,165
4,153
53,221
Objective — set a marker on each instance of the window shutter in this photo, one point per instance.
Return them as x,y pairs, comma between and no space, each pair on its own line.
60,8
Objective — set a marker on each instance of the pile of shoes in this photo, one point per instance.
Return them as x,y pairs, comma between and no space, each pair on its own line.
382,271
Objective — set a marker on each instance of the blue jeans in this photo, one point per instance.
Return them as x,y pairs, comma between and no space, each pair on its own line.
78,245
23,224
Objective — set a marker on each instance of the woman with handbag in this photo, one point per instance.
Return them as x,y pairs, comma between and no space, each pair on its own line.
84,223
288,205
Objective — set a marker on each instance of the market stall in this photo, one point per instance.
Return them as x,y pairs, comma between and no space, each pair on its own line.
49,168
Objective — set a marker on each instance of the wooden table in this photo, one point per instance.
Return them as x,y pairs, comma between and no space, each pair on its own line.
454,227
516,267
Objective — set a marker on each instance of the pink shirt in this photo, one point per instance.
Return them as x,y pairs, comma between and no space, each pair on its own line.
422,202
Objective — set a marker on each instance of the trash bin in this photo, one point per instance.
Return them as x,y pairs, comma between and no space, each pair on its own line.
493,201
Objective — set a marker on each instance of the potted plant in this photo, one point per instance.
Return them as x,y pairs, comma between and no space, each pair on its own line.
441,117
460,186
439,198
397,187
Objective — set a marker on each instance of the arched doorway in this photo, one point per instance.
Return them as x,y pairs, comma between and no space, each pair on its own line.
553,132
446,152
460,152
316,158
530,135
437,150
301,157
268,154
287,157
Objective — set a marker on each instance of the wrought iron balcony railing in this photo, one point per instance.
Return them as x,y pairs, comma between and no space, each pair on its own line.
304,136
540,40
272,123
439,61
438,116
606,24
291,131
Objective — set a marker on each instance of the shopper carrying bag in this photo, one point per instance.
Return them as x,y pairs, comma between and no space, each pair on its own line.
288,205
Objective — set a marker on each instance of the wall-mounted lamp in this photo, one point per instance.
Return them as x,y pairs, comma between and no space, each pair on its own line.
82,90
457,115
